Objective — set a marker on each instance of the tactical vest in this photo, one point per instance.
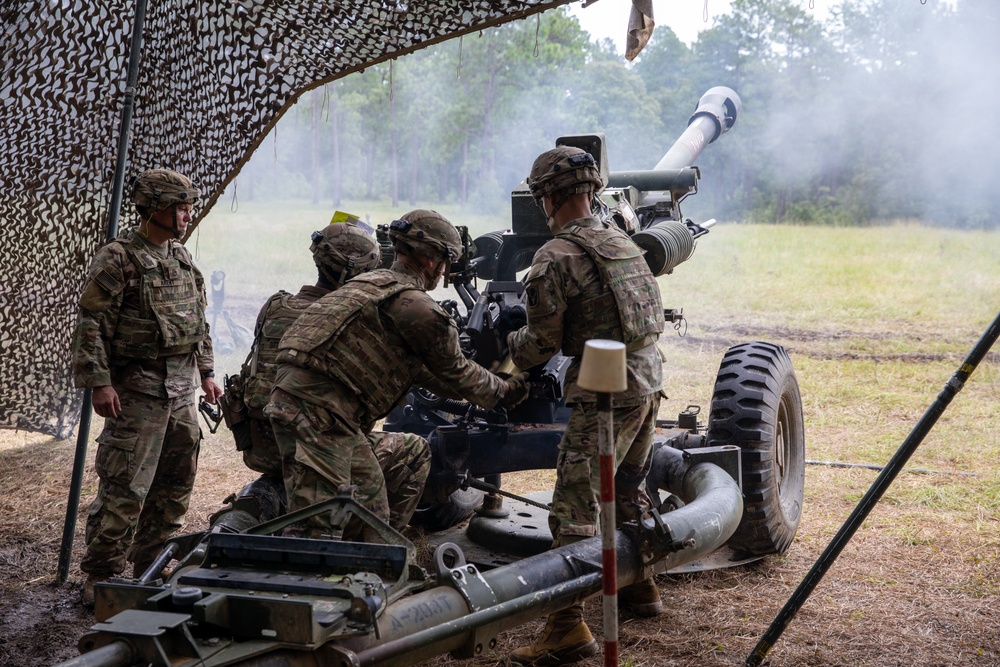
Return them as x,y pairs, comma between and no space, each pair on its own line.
343,337
280,311
168,318
628,309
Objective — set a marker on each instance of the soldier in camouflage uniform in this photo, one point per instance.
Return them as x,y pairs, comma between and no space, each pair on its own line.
589,281
352,356
341,251
141,340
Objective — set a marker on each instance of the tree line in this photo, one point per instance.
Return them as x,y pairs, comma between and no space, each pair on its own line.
880,113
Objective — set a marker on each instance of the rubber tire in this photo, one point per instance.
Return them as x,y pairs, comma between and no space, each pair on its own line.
756,405
441,516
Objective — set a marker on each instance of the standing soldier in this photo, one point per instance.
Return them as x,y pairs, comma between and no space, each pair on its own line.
352,355
341,251
141,340
590,281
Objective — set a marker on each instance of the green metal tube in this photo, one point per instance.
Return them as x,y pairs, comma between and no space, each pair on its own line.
390,652
712,516
116,654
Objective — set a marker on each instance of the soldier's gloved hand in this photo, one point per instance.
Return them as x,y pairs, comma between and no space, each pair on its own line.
511,319
516,389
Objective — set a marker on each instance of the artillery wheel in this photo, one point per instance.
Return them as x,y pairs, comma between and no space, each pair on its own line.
443,515
756,406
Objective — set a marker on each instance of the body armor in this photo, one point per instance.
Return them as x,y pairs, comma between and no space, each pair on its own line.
629,308
343,337
278,314
167,318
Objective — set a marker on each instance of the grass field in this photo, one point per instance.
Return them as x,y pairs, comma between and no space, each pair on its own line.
876,320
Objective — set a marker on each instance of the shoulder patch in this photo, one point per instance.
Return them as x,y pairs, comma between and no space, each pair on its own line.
100,290
531,296
108,282
534,284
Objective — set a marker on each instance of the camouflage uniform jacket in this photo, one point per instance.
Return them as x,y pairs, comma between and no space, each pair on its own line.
416,342
562,278
114,290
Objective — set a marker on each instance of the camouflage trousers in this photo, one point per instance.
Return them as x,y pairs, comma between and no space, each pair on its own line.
405,460
320,454
576,499
146,462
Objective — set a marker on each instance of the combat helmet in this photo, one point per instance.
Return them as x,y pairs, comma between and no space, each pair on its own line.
565,169
343,250
156,189
427,232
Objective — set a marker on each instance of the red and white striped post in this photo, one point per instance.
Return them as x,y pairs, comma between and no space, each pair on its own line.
603,371
609,560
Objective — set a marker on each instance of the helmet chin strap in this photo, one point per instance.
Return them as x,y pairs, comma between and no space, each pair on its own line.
175,229
430,275
447,270
550,218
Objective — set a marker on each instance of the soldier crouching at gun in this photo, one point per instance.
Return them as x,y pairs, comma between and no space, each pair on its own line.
350,358
341,251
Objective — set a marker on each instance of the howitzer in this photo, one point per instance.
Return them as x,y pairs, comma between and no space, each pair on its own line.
730,491
644,204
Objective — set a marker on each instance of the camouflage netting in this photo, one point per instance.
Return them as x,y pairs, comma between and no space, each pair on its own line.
214,79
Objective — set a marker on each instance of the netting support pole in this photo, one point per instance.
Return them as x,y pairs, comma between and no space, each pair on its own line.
875,492
114,211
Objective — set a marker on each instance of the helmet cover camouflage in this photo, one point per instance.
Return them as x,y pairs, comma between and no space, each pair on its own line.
564,169
428,232
342,250
156,189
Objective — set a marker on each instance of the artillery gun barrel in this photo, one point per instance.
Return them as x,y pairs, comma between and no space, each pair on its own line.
665,240
716,113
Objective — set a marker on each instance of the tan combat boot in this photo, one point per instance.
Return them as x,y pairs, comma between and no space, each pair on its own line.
642,598
565,639
87,592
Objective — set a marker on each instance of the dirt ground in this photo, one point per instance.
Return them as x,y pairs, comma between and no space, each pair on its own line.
918,585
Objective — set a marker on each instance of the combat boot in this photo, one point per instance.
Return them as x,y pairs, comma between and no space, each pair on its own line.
87,592
565,639
642,598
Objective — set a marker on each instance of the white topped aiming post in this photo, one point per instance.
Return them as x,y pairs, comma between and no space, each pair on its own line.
603,371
